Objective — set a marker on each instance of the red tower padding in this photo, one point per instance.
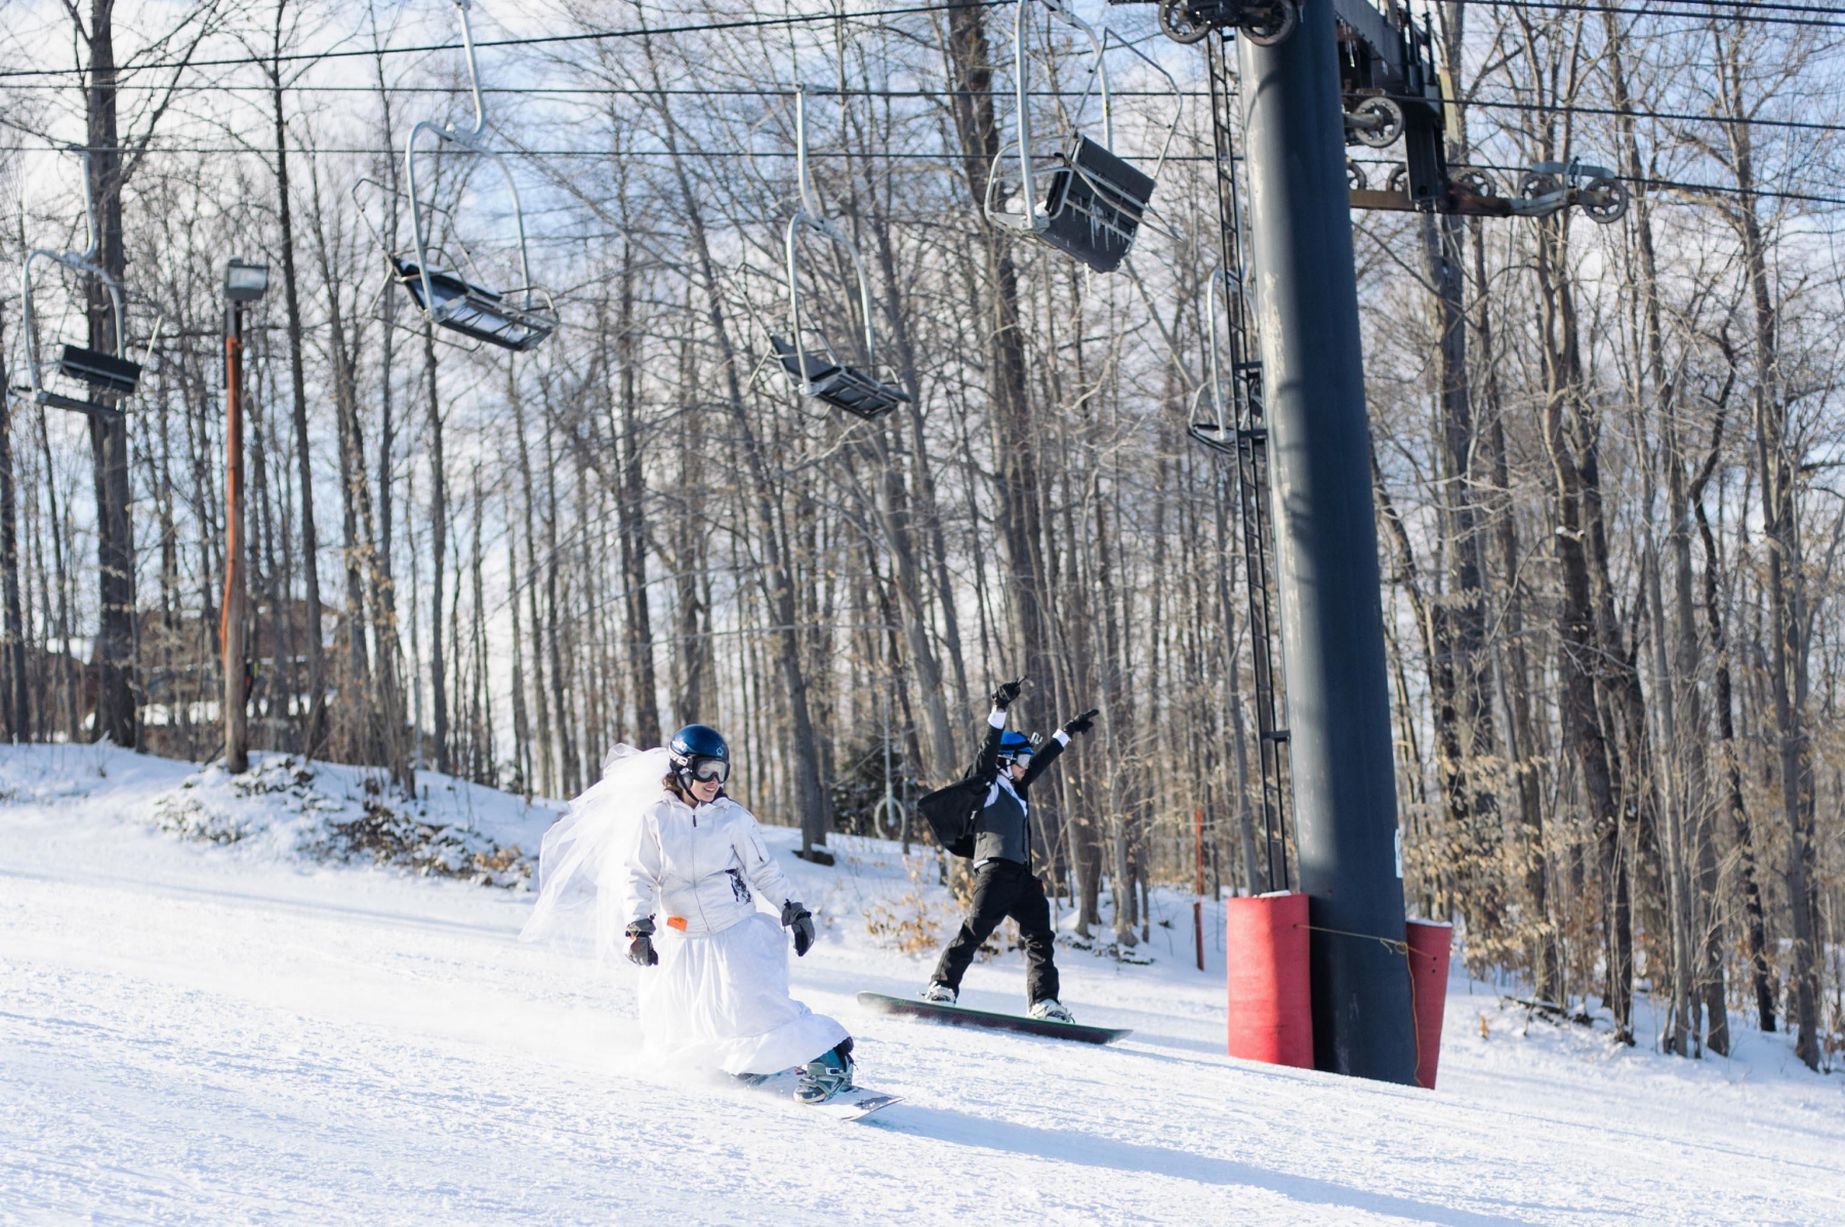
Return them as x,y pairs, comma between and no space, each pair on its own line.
1266,972
1428,991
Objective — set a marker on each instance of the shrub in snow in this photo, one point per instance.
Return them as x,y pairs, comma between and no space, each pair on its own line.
302,810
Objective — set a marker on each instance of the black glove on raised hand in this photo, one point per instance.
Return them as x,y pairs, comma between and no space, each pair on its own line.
1008,691
640,945
1083,723
796,917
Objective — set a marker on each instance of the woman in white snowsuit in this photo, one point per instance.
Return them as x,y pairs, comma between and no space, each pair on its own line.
687,864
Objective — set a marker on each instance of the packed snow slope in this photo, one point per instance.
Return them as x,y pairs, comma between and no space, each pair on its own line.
232,1031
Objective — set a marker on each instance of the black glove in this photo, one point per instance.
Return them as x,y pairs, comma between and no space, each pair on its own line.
640,947
1083,723
796,917
1008,691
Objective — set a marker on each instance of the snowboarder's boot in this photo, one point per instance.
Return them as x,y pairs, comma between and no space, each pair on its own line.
825,1076
1051,1010
939,993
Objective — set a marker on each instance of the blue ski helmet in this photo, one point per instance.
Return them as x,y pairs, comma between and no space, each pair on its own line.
1011,745
698,751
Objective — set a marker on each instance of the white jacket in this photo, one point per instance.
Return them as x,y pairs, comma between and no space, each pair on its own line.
698,870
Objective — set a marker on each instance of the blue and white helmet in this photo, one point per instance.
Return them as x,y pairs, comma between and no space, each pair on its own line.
1012,747
699,752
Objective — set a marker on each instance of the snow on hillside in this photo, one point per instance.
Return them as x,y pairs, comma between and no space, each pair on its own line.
227,1028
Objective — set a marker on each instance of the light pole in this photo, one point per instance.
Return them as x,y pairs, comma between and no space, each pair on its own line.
243,284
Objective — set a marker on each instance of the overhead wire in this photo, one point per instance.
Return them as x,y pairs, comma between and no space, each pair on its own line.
1763,13
765,91
1765,6
891,155
1730,9
1679,185
1824,20
530,40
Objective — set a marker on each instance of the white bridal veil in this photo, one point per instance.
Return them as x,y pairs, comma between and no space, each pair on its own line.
582,863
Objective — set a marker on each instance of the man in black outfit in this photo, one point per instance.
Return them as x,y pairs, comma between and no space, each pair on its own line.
996,792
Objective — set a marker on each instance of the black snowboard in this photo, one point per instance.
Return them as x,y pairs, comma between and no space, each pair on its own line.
962,1016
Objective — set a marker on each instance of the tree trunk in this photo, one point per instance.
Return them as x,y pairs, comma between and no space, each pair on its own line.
633,518
547,780
1016,479
1570,433
117,704
314,730
17,714
1514,670
1460,665
1722,701
1778,458
438,551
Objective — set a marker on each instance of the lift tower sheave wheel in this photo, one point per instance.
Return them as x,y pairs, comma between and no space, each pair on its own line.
1391,86
1548,187
99,380
1093,198
1376,122
443,278
1265,23
818,372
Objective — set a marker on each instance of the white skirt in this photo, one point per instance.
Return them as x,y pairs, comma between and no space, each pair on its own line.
721,1000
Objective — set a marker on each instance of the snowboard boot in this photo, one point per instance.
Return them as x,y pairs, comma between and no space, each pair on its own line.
1050,1010
825,1076
939,993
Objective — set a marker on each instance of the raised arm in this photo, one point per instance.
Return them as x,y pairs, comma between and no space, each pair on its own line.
1042,760
987,763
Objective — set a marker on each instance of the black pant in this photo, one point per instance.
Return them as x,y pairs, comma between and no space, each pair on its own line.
1002,889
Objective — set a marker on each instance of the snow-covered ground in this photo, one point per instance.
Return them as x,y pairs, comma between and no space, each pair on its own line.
233,1032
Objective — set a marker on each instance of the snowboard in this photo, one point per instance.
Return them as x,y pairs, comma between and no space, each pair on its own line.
855,1103
964,1016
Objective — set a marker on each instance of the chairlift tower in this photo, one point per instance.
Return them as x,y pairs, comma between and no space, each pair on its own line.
1341,761
1317,75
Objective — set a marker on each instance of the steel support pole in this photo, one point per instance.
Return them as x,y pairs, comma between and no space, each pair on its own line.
1332,630
233,619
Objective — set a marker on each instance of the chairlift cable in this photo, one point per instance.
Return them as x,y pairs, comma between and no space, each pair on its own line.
901,156
1490,104
1726,6
1717,12
533,40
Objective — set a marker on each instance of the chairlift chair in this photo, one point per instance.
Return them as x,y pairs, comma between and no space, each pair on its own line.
1219,431
819,372
447,286
1094,199
105,378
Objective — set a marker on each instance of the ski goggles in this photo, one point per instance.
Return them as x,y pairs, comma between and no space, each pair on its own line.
1021,758
706,770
